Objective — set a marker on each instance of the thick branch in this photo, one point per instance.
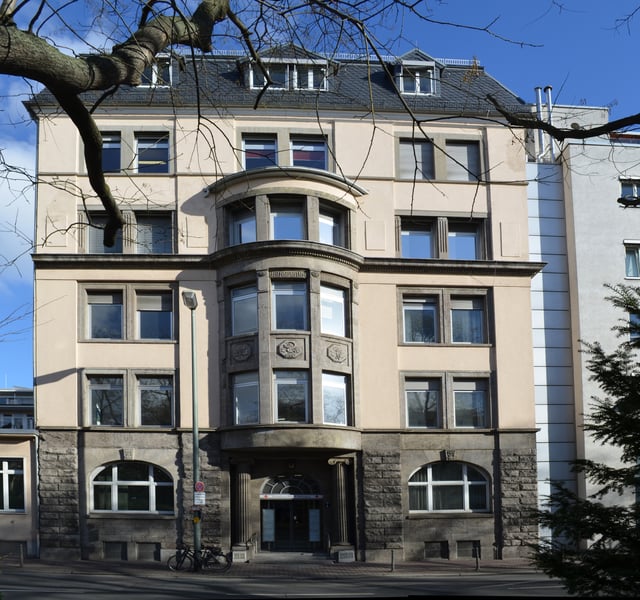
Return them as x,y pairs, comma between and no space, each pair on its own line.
26,55
562,133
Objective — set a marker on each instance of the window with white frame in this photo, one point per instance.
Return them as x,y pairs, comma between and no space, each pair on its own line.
632,259
129,312
471,403
246,398
463,160
309,152
291,396
630,188
244,310
425,320
152,152
154,312
259,151
130,399
418,80
449,487
442,237
415,159
332,310
131,486
105,315
334,399
290,75
157,74
12,497
289,305
420,319
423,402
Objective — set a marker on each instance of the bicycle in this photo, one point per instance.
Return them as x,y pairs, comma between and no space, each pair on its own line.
211,558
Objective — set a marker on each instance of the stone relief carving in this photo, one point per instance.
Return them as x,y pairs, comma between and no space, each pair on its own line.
337,353
289,349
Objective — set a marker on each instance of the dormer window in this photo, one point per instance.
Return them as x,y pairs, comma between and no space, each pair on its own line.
157,74
420,78
290,75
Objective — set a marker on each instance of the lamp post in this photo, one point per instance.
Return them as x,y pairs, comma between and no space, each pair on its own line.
191,302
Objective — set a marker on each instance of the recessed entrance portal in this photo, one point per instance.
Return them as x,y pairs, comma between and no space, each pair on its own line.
291,516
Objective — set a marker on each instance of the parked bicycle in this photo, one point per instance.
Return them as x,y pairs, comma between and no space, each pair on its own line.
211,558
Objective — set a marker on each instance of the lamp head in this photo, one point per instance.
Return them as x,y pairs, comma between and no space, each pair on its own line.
189,299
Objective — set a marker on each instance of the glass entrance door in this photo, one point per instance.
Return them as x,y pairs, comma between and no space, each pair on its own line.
291,525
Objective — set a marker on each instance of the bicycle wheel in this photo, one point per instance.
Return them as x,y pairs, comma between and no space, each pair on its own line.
180,563
216,562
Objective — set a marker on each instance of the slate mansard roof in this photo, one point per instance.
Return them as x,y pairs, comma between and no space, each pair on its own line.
357,83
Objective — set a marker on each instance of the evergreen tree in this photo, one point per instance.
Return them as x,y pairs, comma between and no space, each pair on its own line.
596,543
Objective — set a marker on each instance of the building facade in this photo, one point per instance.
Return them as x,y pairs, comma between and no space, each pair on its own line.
18,473
361,352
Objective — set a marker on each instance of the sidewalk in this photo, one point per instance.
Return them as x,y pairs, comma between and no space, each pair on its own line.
291,566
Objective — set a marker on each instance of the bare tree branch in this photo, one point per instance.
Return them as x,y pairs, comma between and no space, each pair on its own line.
563,133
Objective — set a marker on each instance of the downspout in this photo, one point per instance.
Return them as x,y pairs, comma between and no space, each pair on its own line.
541,148
547,90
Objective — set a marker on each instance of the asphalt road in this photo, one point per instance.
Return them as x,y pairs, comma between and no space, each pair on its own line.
27,584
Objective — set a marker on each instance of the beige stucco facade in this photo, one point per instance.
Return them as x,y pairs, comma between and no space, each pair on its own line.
307,441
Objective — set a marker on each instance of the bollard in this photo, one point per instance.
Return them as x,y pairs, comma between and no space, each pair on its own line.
393,560
21,555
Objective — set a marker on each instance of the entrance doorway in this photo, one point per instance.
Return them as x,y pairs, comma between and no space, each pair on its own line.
291,516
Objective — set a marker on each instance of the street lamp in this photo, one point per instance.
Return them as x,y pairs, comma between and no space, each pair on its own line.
191,302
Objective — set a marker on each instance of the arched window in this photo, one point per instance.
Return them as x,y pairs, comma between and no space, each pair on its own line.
449,486
132,487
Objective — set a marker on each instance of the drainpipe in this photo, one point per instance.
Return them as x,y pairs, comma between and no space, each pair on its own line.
547,91
541,148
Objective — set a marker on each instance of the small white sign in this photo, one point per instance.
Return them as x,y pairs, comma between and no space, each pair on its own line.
199,498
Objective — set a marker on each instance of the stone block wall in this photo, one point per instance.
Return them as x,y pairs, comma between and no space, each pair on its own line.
58,494
518,499
382,498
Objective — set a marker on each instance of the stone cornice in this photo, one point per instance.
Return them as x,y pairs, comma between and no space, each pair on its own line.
273,249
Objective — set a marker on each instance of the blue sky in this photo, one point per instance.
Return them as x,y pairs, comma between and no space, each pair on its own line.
575,46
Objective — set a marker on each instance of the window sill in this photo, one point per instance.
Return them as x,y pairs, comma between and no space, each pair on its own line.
450,515
130,515
125,341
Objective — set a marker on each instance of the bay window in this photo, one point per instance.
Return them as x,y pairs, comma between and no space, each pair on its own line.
334,399
246,398
289,305
291,393
244,310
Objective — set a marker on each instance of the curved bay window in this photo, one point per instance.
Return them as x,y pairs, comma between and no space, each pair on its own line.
449,487
131,486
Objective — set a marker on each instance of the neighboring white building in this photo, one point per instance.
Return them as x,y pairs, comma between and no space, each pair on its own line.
587,240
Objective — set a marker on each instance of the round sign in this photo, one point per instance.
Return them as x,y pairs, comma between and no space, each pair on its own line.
199,486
